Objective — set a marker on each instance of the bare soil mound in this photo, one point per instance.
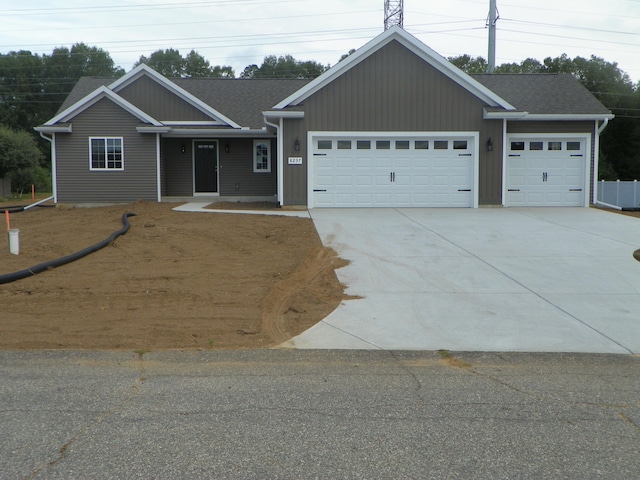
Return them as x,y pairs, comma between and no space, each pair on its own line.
175,280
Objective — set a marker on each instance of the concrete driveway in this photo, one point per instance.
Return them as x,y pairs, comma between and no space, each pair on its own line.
488,279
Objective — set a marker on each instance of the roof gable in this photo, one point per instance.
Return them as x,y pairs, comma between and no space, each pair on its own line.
415,46
93,98
143,70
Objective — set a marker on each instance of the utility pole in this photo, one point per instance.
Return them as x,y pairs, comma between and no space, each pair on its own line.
491,23
393,13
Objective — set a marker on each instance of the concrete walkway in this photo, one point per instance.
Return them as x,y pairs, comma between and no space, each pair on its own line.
202,208
488,279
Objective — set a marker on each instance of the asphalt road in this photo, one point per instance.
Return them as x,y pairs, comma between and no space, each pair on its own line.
318,414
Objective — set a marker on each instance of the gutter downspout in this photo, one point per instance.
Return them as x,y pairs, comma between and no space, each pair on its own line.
280,158
603,126
52,141
158,176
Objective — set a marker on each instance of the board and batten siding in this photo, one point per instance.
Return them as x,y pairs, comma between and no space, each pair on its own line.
154,99
76,183
394,90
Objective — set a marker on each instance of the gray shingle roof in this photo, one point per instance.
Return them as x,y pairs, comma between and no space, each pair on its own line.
241,100
555,94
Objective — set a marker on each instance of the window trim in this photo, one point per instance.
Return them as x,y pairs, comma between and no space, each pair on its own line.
255,156
106,168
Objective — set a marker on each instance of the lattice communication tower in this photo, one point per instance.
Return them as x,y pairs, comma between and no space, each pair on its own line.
393,13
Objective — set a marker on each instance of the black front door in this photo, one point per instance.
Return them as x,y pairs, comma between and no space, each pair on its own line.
205,169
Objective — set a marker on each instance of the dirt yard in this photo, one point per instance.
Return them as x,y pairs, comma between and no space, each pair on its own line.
175,280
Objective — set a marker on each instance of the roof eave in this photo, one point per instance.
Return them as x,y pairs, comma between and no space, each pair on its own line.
567,117
502,115
54,128
282,114
220,133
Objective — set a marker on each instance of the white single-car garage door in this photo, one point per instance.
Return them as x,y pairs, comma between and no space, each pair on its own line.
393,171
546,171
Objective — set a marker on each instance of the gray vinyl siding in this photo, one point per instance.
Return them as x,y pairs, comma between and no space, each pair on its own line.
394,90
235,169
236,174
76,183
154,99
177,167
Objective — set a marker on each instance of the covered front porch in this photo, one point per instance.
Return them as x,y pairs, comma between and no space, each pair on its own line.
214,168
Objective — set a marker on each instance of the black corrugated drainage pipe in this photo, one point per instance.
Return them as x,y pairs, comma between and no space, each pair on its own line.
12,277
22,208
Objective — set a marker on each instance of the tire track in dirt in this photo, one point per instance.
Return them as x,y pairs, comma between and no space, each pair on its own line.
312,276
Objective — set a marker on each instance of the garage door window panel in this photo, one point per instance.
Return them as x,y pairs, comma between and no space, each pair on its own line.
344,144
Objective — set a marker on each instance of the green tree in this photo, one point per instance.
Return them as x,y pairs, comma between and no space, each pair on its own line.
222,71
347,55
23,98
469,64
171,63
64,67
18,150
167,62
284,67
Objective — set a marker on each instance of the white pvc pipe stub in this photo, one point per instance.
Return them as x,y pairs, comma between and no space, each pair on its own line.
14,241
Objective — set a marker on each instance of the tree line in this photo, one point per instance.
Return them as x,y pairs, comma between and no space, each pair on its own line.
32,88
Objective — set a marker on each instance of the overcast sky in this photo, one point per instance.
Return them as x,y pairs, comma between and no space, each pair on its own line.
242,32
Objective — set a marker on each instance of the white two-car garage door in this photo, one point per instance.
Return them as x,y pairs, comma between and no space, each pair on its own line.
546,171
393,171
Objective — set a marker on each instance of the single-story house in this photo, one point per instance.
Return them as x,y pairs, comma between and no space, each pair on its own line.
392,125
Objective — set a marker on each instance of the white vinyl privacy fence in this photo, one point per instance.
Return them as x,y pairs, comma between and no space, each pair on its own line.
619,194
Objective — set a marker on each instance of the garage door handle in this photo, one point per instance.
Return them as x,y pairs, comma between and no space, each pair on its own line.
513,190
464,189
576,155
575,189
319,154
514,155
319,190
464,154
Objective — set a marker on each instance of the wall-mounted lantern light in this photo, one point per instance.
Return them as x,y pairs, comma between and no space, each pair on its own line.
183,147
226,148
296,145
489,145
